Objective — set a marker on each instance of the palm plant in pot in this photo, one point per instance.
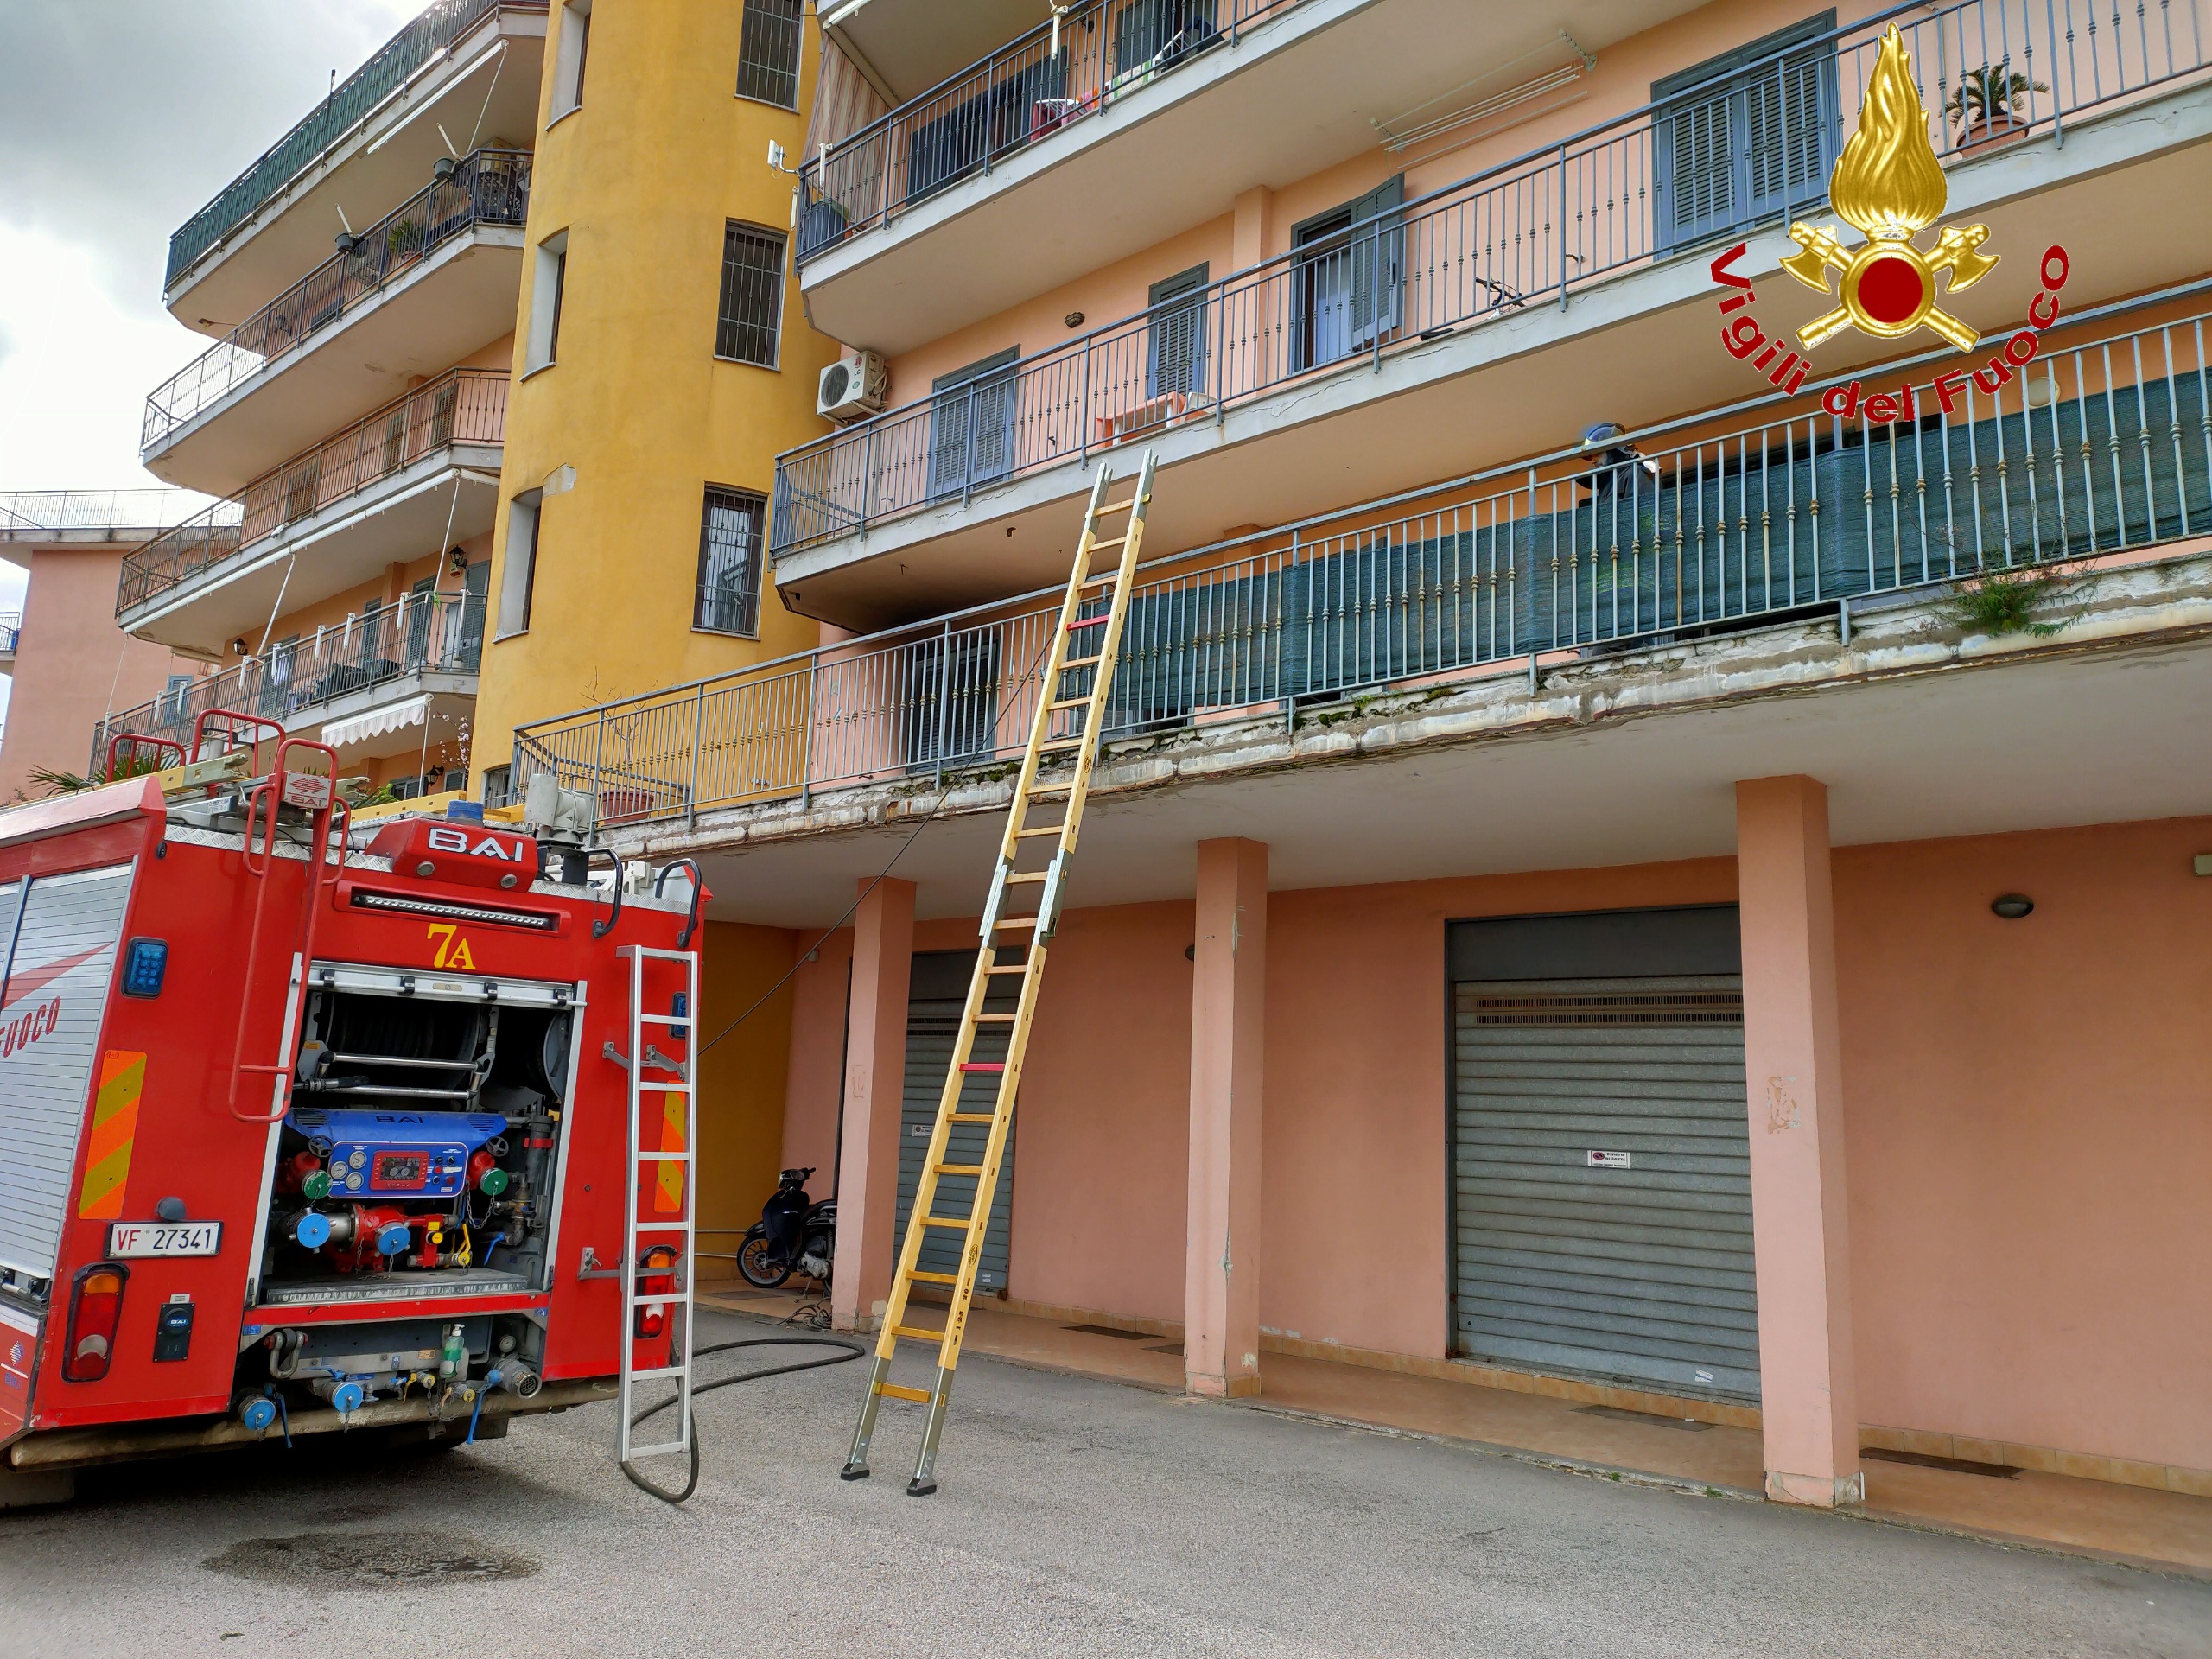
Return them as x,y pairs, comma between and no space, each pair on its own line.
1992,103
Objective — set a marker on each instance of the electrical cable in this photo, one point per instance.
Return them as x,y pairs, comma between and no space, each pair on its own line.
852,1350
944,795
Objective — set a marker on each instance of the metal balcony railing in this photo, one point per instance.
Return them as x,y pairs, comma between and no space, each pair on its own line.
11,631
97,510
2101,447
1048,80
420,633
491,186
1528,233
351,102
466,406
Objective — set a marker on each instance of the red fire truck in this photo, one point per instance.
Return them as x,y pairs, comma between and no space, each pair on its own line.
307,1127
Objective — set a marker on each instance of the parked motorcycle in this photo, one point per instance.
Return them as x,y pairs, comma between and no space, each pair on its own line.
794,1235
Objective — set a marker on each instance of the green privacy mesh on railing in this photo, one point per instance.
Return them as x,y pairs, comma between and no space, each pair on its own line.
436,28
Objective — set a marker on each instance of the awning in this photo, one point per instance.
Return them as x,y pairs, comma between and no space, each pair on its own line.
359,728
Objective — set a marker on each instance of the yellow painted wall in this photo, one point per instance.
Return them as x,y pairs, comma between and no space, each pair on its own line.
643,177
742,1081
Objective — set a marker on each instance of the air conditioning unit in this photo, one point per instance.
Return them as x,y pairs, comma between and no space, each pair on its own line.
853,386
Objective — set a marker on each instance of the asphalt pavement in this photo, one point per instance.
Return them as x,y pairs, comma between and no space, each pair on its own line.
1074,1517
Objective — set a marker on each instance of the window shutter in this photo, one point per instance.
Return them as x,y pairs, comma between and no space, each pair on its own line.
1177,349
1378,257
971,423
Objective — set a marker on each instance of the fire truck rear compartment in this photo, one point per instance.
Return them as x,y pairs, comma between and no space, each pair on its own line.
420,1160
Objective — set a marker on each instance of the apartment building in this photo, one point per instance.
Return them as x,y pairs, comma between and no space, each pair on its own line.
68,660
359,283
1656,836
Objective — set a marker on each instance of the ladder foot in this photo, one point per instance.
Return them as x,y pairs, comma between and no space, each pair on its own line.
853,1472
919,1488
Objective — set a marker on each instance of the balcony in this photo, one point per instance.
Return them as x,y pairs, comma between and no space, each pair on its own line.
89,517
1710,529
433,281
470,66
12,632
380,684
1065,150
1501,313
413,478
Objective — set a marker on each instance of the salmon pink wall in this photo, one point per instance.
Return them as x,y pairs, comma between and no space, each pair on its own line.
816,1077
2028,1107
1102,1138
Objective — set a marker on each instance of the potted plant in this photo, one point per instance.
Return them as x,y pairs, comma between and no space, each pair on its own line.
1991,104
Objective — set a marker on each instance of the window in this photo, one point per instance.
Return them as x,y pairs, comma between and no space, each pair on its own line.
1014,110
1175,356
496,786
729,562
1346,281
752,296
767,51
175,698
568,64
971,424
520,575
1156,33
1758,138
546,295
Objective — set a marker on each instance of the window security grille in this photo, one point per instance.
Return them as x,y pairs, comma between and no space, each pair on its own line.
767,51
752,296
729,562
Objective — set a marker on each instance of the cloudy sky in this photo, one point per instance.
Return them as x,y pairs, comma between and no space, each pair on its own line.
119,119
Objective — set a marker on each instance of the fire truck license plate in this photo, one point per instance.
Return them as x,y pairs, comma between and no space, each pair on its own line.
131,1240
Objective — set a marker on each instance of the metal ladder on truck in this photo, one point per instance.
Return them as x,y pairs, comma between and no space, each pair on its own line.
658,1247
1068,725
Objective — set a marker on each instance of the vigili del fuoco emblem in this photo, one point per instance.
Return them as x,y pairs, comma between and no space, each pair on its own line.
1888,184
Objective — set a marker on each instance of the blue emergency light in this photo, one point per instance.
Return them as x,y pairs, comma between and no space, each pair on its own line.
144,966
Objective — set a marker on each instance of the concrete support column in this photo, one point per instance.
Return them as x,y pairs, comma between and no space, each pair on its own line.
875,1078
1221,1276
1807,1385
1252,227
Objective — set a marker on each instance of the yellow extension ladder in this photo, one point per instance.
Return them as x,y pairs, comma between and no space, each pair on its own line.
1084,641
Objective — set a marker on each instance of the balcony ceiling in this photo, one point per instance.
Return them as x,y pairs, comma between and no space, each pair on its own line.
909,46
1640,349
1911,758
349,543
460,299
494,70
1301,93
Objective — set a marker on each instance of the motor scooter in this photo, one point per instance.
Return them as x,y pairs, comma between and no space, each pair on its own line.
794,1235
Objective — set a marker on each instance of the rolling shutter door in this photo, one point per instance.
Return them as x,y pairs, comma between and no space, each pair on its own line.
61,960
1639,1271
932,1027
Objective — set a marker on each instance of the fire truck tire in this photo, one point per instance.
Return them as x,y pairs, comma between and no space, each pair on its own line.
25,1489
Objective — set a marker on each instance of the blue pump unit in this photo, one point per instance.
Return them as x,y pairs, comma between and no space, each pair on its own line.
397,1154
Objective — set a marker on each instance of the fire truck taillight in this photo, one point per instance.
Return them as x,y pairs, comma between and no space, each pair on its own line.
656,1279
95,1305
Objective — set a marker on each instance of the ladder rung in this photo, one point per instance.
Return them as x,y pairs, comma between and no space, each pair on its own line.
1111,540
1068,664
1015,921
959,1169
1028,877
933,1278
900,1391
1069,702
658,1372
1100,580
1064,742
997,1019
916,1333
1025,835
958,1223
1018,968
1119,507
982,1065
970,1117
1089,622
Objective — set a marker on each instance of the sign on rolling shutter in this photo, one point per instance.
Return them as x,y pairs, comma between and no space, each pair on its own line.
931,1028
1602,1178
64,936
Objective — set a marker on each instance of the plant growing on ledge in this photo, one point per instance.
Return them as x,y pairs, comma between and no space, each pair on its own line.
1990,102
2006,601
